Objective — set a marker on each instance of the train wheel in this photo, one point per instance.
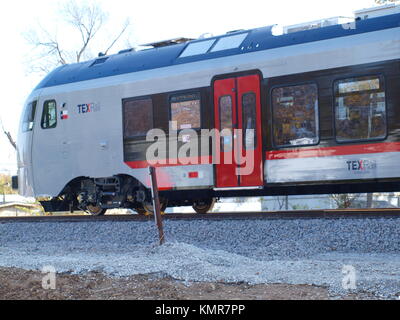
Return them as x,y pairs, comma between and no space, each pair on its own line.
148,206
96,210
142,211
203,206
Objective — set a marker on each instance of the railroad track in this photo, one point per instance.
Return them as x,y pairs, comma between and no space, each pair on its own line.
306,214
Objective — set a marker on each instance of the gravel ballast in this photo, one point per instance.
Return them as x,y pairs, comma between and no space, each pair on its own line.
313,251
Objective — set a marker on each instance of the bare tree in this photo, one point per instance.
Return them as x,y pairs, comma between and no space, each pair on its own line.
283,203
86,21
370,199
385,1
8,135
343,201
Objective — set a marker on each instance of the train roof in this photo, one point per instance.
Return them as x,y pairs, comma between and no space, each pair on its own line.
234,43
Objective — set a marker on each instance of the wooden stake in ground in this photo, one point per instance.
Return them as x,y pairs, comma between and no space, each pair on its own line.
156,204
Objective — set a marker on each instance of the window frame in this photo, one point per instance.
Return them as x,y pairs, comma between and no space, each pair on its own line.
219,109
125,137
255,146
318,117
43,113
382,84
222,143
32,114
183,93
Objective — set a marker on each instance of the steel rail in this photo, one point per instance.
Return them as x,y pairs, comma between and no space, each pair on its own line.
303,214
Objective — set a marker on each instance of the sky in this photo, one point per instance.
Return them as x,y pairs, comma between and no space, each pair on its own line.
152,20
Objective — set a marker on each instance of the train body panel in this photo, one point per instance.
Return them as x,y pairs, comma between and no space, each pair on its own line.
78,141
82,128
335,166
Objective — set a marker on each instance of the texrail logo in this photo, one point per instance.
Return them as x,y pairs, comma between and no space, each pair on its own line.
88,107
361,165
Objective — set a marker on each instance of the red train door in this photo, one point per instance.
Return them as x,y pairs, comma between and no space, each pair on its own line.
237,110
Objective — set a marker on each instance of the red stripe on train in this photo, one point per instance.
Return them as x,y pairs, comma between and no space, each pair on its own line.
171,162
334,151
283,154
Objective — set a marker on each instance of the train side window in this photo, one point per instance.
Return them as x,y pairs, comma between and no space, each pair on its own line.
360,109
226,125
185,111
295,115
49,115
249,120
138,117
29,117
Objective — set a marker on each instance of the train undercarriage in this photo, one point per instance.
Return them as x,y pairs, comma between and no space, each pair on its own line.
96,195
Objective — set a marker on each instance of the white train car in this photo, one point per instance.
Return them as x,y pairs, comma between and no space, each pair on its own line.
320,108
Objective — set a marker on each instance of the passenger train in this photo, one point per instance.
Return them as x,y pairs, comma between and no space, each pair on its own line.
317,109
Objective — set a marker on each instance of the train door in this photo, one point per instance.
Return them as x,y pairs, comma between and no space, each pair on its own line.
47,153
237,113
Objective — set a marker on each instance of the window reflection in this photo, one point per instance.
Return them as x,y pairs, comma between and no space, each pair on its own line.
185,111
249,120
138,117
49,116
360,109
295,113
226,125
29,117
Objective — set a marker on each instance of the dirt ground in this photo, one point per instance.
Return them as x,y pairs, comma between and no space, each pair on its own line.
17,284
